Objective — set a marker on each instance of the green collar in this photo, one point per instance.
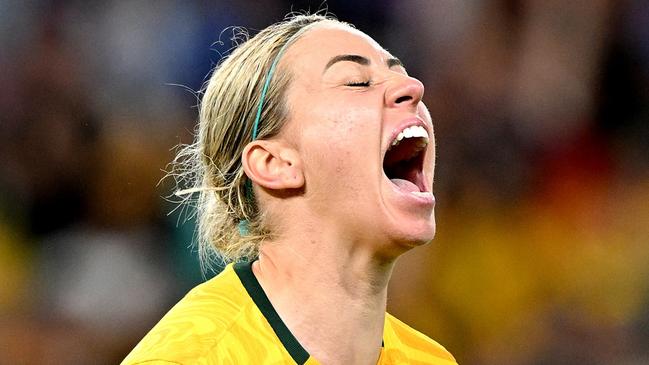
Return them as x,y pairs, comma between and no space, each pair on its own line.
256,292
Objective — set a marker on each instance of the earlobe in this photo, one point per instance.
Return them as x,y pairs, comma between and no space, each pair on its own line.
272,165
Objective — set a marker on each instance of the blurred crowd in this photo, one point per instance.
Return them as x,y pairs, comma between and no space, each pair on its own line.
541,112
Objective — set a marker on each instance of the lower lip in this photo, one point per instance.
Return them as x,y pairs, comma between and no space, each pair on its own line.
423,199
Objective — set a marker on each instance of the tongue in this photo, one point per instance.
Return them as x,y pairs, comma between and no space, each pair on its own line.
405,185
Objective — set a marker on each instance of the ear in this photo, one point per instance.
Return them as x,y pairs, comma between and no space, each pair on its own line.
273,165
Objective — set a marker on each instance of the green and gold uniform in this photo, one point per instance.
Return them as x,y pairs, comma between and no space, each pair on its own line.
229,320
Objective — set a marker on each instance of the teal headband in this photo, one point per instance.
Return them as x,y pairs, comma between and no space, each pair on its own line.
269,76
243,224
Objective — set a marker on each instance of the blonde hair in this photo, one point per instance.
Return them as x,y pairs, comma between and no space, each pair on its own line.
210,169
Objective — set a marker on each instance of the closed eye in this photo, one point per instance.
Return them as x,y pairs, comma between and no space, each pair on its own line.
358,84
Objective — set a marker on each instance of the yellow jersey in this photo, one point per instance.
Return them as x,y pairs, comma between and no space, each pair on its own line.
229,320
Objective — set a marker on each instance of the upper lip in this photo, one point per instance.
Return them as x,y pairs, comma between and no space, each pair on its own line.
408,122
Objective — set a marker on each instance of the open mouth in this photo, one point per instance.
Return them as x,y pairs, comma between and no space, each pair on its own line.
403,162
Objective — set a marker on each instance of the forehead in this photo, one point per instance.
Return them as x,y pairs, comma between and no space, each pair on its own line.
316,47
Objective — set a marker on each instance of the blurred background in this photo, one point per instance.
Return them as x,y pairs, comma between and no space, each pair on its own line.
541,110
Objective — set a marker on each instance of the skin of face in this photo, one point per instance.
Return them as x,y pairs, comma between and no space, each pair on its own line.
341,129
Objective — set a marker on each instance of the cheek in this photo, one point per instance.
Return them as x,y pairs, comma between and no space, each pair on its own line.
346,125
338,143
330,172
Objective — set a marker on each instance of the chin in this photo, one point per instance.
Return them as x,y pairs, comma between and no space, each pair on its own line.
420,235
408,235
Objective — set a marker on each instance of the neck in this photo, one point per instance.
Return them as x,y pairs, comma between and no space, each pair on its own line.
330,292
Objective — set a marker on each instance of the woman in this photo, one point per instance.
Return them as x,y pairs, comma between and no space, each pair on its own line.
314,169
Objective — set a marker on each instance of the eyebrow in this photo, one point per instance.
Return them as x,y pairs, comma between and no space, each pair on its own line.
391,62
363,61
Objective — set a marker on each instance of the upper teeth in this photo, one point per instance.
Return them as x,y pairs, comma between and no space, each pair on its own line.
415,131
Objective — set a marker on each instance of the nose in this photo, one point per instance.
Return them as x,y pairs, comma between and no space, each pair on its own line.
406,91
